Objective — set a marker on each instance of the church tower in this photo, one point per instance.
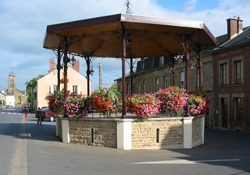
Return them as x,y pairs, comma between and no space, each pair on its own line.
12,83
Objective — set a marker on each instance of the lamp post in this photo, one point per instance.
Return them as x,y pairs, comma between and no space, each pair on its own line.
129,47
73,60
88,72
59,67
65,69
172,69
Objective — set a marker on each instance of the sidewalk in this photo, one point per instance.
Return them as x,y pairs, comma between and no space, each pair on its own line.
228,133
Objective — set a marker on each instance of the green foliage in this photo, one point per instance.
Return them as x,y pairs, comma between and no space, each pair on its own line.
114,92
30,86
59,94
106,100
2,102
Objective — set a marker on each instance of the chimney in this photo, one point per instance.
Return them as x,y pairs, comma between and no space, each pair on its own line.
51,65
77,65
234,27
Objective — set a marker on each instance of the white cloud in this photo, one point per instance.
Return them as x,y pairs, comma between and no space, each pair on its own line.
23,25
189,6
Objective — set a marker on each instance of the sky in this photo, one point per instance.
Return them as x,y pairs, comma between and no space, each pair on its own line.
23,26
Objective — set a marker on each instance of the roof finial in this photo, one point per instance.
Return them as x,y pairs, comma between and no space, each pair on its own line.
128,4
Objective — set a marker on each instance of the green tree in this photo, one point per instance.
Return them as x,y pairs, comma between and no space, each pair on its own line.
114,86
30,85
2,102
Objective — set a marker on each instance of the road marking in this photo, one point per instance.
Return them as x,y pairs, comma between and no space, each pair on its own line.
19,160
182,161
11,113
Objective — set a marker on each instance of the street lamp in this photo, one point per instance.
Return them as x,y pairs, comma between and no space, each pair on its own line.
91,71
88,72
129,48
72,60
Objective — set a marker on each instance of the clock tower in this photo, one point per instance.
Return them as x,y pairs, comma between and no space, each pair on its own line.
12,83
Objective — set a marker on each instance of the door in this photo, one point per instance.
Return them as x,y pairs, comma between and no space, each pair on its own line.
224,112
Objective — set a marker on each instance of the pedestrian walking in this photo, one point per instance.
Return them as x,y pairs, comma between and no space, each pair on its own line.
39,117
26,113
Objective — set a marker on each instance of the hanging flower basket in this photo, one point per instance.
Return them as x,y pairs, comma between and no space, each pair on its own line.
172,99
143,105
62,80
106,101
56,102
77,105
198,102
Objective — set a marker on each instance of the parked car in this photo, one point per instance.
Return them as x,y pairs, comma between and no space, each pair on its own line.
47,114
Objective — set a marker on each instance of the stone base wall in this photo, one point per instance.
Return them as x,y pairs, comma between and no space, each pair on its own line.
157,134
152,133
196,128
93,132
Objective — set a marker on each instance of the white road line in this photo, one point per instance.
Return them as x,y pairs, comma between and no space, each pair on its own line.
182,161
19,161
11,113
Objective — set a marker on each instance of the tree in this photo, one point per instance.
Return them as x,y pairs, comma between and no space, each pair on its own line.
2,102
114,86
30,85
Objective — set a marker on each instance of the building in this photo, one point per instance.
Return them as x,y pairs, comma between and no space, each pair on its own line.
2,97
223,74
232,81
10,99
15,96
48,83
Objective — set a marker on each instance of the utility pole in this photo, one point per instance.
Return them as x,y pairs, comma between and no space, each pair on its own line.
100,75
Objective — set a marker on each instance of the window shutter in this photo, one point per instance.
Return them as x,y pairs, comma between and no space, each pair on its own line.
52,89
78,89
71,88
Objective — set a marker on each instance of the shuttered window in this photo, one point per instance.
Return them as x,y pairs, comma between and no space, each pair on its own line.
145,86
224,74
157,85
238,73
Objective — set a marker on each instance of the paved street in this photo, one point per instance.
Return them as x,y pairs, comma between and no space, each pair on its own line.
27,148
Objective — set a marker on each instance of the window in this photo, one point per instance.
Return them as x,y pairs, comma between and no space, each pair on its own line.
238,73
182,79
162,61
224,74
142,65
128,88
52,88
74,88
139,87
165,82
238,114
145,86
157,86
200,77
55,87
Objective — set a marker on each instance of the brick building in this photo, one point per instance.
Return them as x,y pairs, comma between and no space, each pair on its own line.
232,82
223,75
